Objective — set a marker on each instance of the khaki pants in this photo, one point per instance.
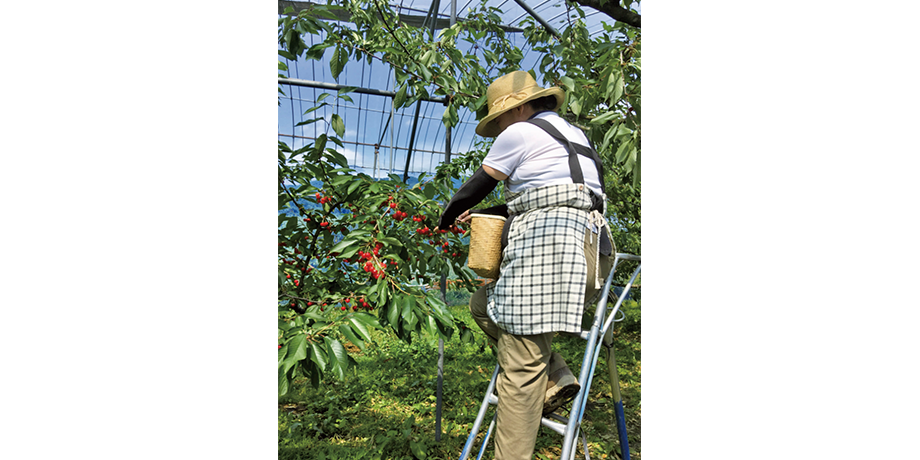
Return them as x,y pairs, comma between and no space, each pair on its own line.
527,361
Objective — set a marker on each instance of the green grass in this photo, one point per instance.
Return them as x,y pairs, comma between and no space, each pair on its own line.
385,407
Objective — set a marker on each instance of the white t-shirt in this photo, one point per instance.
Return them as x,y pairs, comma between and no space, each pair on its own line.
532,158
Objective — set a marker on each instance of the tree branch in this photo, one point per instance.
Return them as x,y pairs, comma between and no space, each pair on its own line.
613,9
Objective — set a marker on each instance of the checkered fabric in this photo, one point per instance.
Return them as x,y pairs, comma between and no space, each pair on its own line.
543,272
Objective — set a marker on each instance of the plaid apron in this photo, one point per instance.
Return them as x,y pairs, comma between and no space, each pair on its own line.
543,273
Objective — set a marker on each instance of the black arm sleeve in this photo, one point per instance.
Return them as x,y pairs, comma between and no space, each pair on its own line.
470,194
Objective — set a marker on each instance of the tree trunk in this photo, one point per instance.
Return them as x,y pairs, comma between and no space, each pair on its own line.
613,9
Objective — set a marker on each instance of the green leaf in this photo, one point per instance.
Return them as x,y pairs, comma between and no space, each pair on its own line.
389,241
317,107
426,74
393,313
316,51
568,83
350,252
284,383
307,122
383,290
340,247
299,345
400,97
318,356
429,192
407,313
432,325
353,186
360,323
351,336
623,150
418,450
450,117
337,63
338,125
576,105
603,118
340,356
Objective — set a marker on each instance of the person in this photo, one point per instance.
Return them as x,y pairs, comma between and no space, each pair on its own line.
556,256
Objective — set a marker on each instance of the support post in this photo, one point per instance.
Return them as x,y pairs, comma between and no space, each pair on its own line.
432,19
437,410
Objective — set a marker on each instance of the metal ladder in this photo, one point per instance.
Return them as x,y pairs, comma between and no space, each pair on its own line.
601,333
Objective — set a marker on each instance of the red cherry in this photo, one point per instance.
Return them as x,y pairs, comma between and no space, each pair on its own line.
289,276
279,346
343,308
324,224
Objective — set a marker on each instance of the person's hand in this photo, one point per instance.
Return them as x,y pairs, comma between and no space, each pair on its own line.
464,217
461,219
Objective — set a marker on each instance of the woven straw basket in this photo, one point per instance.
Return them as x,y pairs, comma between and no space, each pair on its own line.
486,244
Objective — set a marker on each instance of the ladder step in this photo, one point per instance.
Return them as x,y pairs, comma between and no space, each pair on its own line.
545,421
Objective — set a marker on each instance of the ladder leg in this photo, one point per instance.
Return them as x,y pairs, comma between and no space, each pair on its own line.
479,417
618,401
485,440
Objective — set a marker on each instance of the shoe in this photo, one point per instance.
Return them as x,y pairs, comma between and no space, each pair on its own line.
564,389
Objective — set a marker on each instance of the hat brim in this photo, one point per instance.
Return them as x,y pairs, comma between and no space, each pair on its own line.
487,127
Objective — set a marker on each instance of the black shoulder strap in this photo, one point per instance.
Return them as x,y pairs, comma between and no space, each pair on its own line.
574,150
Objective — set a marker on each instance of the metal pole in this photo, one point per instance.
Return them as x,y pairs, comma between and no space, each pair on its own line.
531,12
437,433
380,142
447,146
418,107
437,410
432,17
322,85
392,126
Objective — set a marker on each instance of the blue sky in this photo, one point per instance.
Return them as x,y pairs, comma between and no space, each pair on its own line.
367,118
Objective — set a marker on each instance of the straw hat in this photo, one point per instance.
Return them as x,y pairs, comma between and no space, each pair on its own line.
510,91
